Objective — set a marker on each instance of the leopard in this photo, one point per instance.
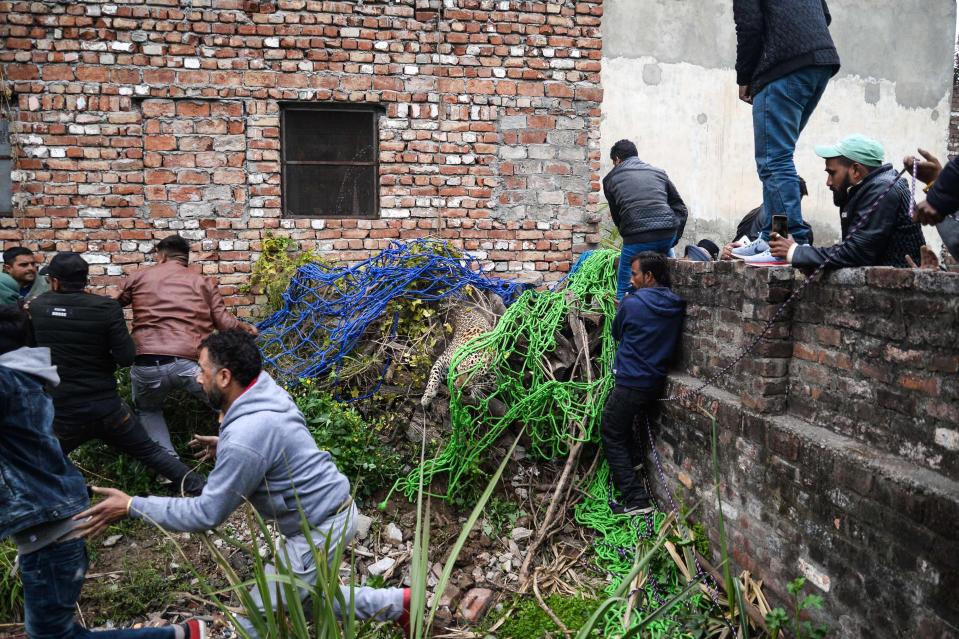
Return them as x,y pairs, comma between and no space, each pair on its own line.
469,319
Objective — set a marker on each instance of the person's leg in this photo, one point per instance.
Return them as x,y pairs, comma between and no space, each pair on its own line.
780,111
70,433
616,430
297,553
150,386
52,578
122,430
623,271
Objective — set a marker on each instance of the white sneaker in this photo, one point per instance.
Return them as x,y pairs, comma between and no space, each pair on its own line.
764,259
755,247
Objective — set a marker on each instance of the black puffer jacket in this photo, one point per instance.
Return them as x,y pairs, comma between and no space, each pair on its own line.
88,339
886,237
644,204
776,37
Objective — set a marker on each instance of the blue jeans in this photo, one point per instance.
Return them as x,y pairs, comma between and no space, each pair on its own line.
780,112
624,273
52,579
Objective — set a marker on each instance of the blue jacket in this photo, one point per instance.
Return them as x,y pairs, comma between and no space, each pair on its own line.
647,327
38,484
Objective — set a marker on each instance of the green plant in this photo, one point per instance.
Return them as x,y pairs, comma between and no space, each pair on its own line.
778,619
361,450
501,515
141,588
11,589
275,267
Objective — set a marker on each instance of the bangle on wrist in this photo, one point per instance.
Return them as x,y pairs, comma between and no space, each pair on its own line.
129,503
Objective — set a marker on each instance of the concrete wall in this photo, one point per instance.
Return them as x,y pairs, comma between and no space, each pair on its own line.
670,85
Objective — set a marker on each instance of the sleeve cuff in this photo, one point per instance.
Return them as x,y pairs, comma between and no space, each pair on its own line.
135,505
790,253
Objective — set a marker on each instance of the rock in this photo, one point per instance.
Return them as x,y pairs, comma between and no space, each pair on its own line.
393,534
363,524
475,603
381,566
520,533
111,541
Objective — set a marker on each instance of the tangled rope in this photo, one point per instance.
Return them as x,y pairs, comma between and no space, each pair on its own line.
327,310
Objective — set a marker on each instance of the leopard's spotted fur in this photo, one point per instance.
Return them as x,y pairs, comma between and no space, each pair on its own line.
468,322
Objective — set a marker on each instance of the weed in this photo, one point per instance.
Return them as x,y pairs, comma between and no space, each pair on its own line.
141,590
360,449
778,620
11,590
501,516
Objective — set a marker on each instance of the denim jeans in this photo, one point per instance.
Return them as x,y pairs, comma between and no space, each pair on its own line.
780,113
115,424
368,602
152,384
624,273
623,450
52,579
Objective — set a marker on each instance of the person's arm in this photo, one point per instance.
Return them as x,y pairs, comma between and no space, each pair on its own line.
748,16
679,209
237,473
125,296
862,248
825,11
944,194
121,344
614,208
222,319
617,330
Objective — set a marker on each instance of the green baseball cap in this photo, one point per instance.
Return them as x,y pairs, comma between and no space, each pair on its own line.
857,148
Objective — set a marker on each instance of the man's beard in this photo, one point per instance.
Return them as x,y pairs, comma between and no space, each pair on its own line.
215,397
841,197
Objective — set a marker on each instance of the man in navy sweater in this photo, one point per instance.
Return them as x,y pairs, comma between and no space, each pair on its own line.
647,327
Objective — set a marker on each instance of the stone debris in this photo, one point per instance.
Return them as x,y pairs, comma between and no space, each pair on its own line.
393,534
111,541
381,566
474,604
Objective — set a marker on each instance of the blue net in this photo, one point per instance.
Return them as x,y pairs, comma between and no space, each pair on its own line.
327,310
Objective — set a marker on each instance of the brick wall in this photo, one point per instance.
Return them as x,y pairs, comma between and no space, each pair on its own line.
137,119
839,442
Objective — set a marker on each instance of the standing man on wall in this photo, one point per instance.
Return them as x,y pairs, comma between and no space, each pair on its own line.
173,309
644,205
784,60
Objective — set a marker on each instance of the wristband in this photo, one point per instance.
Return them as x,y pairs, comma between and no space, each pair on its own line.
929,186
129,503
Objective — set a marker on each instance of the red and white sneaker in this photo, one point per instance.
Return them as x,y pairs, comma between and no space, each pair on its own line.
194,629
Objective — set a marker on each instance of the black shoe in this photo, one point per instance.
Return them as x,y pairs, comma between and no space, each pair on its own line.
641,506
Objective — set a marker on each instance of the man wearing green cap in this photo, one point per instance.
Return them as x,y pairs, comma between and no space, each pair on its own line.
859,180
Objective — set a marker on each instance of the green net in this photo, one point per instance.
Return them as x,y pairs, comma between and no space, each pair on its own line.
533,363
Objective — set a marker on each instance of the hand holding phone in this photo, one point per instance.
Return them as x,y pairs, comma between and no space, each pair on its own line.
780,225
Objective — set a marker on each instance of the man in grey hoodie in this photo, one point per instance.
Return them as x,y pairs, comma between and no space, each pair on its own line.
265,455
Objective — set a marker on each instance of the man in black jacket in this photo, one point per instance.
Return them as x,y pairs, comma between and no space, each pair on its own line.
88,339
644,205
784,59
861,185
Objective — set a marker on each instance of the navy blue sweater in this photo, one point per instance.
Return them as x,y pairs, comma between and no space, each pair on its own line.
647,327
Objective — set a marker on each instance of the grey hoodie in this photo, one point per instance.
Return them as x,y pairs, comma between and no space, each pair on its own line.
32,361
266,455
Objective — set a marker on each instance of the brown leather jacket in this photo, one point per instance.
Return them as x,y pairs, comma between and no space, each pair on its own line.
173,309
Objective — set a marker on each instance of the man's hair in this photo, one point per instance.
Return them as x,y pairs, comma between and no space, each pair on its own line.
72,286
11,254
236,351
803,189
655,264
14,328
173,245
622,150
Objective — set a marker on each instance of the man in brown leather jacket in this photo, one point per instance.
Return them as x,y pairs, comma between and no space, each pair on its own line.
174,308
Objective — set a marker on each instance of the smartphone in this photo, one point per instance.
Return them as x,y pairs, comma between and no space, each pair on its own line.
780,226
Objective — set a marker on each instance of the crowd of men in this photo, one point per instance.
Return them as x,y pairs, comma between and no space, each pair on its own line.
61,346
60,349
